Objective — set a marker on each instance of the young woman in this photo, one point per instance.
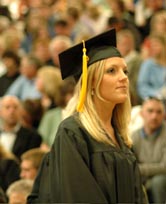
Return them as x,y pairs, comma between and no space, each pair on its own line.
91,159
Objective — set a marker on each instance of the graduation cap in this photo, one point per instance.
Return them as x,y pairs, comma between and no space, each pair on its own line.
75,60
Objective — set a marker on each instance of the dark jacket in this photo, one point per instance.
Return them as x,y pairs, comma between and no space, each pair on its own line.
9,172
5,82
26,139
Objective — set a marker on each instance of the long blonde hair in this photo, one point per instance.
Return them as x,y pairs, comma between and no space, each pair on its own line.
89,117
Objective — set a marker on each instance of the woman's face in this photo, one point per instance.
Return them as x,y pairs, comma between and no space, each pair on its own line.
114,84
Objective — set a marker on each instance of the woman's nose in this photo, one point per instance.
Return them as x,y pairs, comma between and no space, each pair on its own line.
123,76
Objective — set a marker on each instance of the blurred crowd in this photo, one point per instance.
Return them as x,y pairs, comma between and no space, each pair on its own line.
32,94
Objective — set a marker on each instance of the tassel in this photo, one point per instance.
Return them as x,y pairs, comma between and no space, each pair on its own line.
84,80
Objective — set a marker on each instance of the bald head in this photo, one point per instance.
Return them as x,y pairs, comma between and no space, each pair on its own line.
10,110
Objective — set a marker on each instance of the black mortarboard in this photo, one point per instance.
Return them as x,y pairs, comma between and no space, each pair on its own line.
74,62
99,47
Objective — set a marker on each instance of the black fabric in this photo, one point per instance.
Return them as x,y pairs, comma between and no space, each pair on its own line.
26,139
82,170
9,172
5,82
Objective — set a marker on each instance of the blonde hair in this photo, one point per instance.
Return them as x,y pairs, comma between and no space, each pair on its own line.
35,155
156,19
51,79
121,113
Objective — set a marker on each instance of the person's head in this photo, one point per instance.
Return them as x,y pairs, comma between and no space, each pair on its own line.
158,22
48,81
73,15
154,5
10,110
125,42
117,7
62,27
18,191
114,22
11,61
107,84
40,49
13,37
29,66
153,113
31,112
66,91
30,163
57,45
158,46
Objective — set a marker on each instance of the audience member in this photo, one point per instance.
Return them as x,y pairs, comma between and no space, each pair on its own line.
24,86
62,27
77,26
12,64
32,23
31,113
12,38
40,50
149,144
57,45
126,46
9,168
119,24
93,18
13,136
157,26
144,12
118,10
152,74
52,118
30,163
48,82
18,191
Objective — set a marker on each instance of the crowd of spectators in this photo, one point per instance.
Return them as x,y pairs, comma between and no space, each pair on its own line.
33,96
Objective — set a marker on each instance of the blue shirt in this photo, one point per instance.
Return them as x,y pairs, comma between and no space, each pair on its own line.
23,88
151,78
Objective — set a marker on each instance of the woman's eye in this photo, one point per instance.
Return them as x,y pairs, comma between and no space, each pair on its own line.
126,72
110,70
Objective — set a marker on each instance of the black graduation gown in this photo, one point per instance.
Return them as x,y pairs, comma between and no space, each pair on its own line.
82,170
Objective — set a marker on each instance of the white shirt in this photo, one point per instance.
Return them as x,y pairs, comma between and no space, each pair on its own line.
7,139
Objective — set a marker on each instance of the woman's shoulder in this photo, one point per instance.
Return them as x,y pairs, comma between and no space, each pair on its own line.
71,123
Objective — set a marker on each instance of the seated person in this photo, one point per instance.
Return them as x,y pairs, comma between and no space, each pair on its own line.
30,163
18,191
13,135
149,144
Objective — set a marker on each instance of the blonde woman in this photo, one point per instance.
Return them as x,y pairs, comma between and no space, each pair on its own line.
48,82
91,159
